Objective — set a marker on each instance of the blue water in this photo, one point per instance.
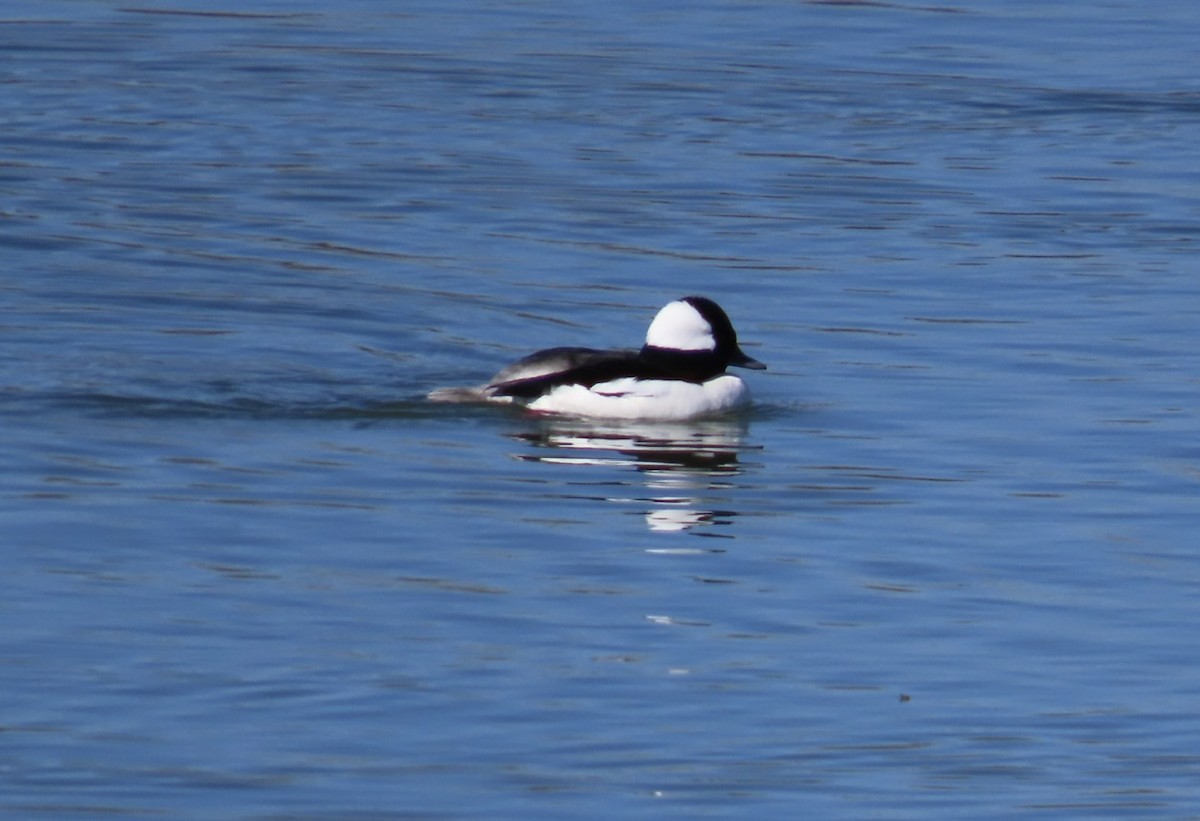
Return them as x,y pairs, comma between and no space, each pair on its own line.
946,566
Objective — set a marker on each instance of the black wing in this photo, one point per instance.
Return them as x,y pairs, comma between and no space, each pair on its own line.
545,370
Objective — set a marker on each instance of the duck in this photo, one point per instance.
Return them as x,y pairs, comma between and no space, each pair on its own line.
678,374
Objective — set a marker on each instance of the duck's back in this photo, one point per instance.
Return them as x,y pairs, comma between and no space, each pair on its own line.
545,370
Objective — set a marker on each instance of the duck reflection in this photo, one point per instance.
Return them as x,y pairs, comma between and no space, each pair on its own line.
685,466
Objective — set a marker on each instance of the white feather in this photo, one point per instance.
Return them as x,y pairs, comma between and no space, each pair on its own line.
680,327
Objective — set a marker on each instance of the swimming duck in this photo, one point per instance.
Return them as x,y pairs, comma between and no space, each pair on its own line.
679,373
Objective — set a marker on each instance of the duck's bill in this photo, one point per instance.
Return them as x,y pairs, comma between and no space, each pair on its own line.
744,361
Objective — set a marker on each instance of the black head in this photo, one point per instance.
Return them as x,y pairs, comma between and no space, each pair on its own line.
694,337
723,333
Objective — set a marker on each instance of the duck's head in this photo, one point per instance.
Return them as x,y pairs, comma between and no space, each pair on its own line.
696,325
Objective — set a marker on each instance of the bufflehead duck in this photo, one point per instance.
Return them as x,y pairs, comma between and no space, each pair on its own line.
678,374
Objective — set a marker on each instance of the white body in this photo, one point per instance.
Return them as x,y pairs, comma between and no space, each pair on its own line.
646,399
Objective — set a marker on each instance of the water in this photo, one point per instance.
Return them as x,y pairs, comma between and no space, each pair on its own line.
944,568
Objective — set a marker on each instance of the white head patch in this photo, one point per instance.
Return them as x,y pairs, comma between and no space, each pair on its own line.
680,327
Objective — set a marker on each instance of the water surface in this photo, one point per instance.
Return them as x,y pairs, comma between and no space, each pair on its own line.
945,567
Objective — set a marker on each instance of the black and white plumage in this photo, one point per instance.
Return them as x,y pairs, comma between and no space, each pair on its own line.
678,374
